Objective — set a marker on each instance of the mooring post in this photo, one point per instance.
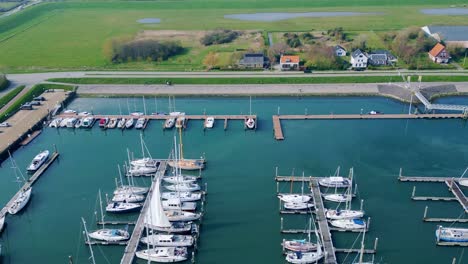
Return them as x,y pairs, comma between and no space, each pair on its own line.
362,205
454,261
206,187
400,173
278,110
376,242
368,223
283,245
414,191
281,228
193,257
276,171
279,204
70,260
277,187
425,212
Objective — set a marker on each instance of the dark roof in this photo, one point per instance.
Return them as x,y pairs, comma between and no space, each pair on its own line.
357,53
389,55
253,58
337,47
376,57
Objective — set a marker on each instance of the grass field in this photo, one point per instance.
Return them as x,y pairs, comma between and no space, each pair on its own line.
256,80
71,35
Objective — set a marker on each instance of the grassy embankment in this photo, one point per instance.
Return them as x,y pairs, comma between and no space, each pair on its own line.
33,92
10,95
77,32
255,80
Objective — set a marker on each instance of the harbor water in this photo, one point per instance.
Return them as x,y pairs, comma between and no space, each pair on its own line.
242,220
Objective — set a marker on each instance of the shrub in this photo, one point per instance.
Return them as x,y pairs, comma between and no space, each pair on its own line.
4,82
219,37
321,57
144,49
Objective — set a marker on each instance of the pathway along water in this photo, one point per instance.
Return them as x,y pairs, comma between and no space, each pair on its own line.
241,220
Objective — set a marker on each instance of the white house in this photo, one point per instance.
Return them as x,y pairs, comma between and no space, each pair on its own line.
340,51
358,59
289,62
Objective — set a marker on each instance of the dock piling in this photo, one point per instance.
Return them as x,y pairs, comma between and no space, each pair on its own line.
425,212
376,242
362,205
414,191
281,227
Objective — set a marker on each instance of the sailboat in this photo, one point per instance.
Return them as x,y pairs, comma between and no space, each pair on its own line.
250,121
184,187
125,189
128,197
177,204
295,198
183,163
448,234
88,240
300,245
341,197
113,122
180,179
183,196
121,123
349,224
106,234
298,257
361,252
168,240
22,198
156,219
463,181
335,181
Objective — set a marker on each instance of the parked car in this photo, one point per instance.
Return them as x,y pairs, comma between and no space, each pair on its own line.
34,103
5,124
39,98
26,106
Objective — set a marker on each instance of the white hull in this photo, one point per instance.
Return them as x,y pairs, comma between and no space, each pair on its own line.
129,123
136,171
303,258
121,207
338,198
121,123
209,122
298,206
299,245
179,179
463,182
349,224
294,198
110,235
250,123
183,196
335,182
129,198
169,123
459,235
56,122
20,202
130,190
343,214
183,187
112,123
168,240
144,162
140,123
176,204
176,227
37,162
182,216
163,254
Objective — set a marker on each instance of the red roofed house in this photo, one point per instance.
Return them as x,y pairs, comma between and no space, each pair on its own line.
439,54
288,62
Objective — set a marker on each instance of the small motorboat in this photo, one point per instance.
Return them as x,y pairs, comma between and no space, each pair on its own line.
177,204
183,187
349,224
250,123
298,206
129,123
209,122
169,123
163,254
458,235
180,179
182,216
69,111
121,123
140,123
84,114
112,122
21,201
71,122
56,122
338,197
110,235
38,160
137,114
335,182
183,196
87,122
78,123
374,112
299,245
103,122
180,122
343,214
63,123
294,198
128,197
168,240
121,207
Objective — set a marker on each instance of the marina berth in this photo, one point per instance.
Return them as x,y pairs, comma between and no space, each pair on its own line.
128,197
179,179
298,257
110,235
129,123
141,170
168,240
335,182
182,216
456,235
112,123
184,187
294,198
169,123
343,214
140,123
177,204
103,122
299,245
122,207
64,121
87,122
127,189
338,197
298,206
21,201
209,122
71,122
163,254
145,162
78,123
183,196
349,224
56,122
38,160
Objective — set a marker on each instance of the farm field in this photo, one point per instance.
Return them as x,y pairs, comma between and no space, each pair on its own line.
72,35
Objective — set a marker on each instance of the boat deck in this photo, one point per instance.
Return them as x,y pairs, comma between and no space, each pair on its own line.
30,182
132,244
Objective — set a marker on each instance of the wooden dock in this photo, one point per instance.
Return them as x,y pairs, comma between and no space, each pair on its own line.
116,223
30,137
423,179
105,243
326,238
164,117
131,248
278,131
30,182
355,250
455,189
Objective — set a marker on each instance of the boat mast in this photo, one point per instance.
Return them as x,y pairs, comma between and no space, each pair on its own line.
302,187
88,240
292,180
310,228
144,105
142,147
350,190
120,175
181,153
100,205
250,105
361,254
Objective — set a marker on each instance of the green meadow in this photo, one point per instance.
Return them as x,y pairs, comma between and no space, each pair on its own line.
58,36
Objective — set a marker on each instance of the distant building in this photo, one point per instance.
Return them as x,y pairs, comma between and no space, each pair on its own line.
289,62
358,59
382,58
339,51
253,60
451,35
439,54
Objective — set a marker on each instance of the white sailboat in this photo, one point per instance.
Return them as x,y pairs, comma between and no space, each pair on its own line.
121,123
177,204
335,182
250,122
23,196
300,245
349,224
126,189
183,196
184,187
140,123
129,123
447,234
298,206
347,213
180,179
168,240
182,216
38,160
106,234
163,254
128,197
122,207
295,198
341,197
299,257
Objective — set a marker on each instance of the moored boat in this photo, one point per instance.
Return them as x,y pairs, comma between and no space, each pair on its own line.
298,206
250,123
140,123
294,198
182,216
141,170
177,204
349,224
121,123
163,254
180,122
179,179
87,122
69,111
112,122
71,122
129,123
121,207
299,245
103,122
78,123
446,234
183,187
183,196
338,197
126,189
187,164
110,235
128,197
21,201
335,182
38,160
343,214
209,122
168,240
56,122
169,123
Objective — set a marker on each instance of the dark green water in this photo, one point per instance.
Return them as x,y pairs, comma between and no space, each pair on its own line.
242,222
